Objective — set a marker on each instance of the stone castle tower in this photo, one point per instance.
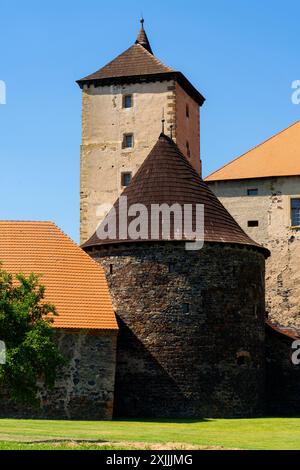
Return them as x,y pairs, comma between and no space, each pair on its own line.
191,323
122,106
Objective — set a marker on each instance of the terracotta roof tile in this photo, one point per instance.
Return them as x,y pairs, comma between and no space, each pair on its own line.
74,283
278,156
166,176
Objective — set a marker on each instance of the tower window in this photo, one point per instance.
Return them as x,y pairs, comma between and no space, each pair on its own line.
188,151
295,212
252,192
187,111
127,101
185,308
111,269
253,223
171,267
128,141
126,179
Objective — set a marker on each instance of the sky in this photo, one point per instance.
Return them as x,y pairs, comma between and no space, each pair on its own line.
242,55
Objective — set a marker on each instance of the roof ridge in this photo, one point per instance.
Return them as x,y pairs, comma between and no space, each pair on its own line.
158,61
252,148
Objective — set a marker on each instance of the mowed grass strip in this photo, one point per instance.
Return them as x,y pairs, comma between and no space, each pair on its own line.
258,433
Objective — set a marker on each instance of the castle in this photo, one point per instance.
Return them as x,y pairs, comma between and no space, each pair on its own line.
157,330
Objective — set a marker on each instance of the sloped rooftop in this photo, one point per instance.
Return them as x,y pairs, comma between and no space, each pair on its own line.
277,156
74,283
167,177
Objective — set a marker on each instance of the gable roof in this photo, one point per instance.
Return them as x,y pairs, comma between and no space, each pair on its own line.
277,156
74,283
138,64
167,177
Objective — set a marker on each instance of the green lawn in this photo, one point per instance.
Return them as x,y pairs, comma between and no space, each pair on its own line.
260,433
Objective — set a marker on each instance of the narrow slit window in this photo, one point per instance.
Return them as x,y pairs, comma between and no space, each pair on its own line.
188,150
253,223
187,111
171,267
111,269
185,308
295,212
127,101
126,179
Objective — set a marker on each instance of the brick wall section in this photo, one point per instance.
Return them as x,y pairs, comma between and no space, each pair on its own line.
170,364
84,389
283,377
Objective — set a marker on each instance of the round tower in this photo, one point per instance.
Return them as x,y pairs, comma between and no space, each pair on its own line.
191,340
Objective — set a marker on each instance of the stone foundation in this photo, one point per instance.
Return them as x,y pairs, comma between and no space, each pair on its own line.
84,388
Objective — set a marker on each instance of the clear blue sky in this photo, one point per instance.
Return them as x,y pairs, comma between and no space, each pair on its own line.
242,55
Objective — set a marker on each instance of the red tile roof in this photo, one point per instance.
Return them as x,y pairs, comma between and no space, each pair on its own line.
74,283
277,156
166,176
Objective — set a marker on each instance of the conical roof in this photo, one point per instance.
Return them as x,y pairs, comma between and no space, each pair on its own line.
166,177
142,38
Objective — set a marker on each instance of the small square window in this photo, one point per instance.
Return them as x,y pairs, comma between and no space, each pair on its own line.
127,101
126,179
185,308
253,223
252,192
128,141
295,212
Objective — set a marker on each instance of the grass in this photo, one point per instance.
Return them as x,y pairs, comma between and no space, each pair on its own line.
258,433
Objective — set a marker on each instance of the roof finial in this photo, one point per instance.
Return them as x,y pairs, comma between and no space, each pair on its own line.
142,38
163,121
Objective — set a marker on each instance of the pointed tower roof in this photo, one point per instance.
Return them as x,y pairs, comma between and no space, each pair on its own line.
142,38
166,177
138,64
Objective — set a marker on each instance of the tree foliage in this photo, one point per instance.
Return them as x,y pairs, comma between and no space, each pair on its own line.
32,355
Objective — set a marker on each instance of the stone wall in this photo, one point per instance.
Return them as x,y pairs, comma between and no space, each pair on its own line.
105,121
84,388
272,209
209,362
283,377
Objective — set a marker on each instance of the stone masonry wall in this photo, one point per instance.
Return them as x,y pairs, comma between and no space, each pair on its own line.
209,362
283,377
84,388
272,209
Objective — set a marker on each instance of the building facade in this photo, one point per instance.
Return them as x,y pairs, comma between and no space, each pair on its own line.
261,190
122,108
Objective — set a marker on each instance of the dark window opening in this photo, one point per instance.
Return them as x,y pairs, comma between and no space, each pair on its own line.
187,111
171,267
185,308
253,223
295,215
241,360
126,179
252,192
188,151
127,101
111,269
128,141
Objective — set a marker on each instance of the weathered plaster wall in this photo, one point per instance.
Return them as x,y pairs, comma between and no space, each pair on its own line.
84,388
209,362
105,121
272,209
